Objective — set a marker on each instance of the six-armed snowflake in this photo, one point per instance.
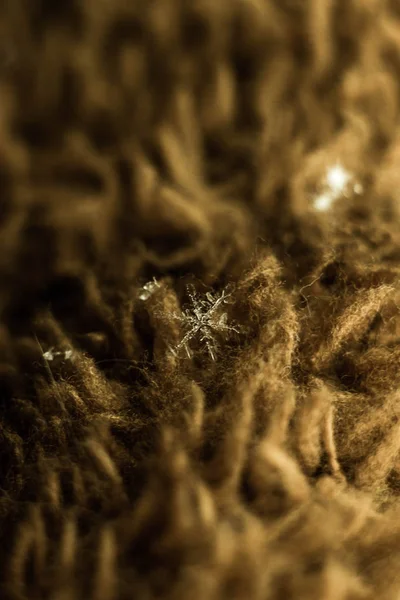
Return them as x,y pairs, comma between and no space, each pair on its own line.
203,321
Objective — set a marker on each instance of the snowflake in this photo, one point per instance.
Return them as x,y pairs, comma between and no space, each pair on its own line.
203,321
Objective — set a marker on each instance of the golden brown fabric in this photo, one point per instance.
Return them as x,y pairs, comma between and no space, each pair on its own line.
169,143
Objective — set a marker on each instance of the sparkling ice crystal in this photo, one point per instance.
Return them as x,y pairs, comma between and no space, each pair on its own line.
203,321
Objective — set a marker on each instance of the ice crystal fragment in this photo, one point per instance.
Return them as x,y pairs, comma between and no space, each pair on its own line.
148,289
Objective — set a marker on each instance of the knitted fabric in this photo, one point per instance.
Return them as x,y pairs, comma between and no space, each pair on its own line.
199,299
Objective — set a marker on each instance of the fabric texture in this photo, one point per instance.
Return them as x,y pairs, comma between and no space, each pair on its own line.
199,299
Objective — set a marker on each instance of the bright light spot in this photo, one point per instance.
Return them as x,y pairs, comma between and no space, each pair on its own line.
324,201
358,189
337,179
336,184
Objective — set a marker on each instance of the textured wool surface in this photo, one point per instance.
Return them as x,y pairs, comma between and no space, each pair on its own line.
199,341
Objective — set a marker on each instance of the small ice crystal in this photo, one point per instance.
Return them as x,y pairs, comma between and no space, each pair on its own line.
51,354
148,289
203,321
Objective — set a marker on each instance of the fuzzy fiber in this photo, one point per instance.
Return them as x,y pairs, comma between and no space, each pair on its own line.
188,141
